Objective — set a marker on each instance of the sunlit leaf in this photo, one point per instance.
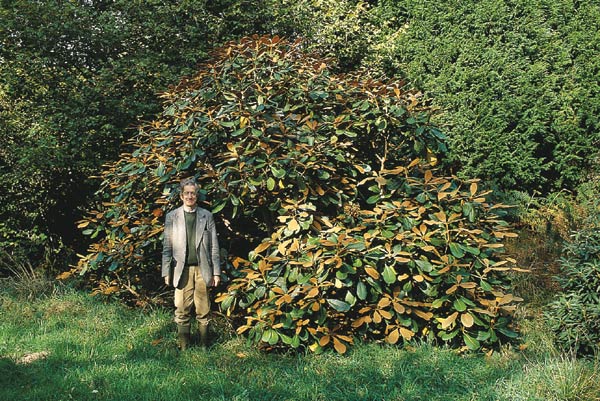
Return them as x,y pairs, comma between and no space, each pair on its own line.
338,305
361,290
466,319
448,321
406,333
393,336
471,342
372,272
389,274
339,346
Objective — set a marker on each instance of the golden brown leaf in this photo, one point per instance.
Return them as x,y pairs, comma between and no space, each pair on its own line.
393,337
473,188
384,303
423,315
261,247
339,346
372,272
448,321
466,319
406,333
324,340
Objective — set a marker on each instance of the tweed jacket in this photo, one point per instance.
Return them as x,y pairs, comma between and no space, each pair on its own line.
175,243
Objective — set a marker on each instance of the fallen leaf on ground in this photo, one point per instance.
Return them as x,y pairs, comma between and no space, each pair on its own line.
30,358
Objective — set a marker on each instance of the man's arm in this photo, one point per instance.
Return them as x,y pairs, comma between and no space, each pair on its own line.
214,251
167,253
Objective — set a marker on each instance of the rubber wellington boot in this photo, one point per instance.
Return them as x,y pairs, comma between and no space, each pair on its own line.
203,332
183,336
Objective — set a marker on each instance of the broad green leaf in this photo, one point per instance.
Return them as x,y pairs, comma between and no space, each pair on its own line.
350,298
472,250
238,132
507,332
485,286
471,342
361,290
424,265
437,303
278,172
338,305
389,274
341,275
227,302
358,246
219,206
387,234
160,170
448,336
324,175
373,199
459,305
483,335
456,250
286,339
270,336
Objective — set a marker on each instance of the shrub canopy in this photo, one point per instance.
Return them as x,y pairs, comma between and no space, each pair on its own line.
334,223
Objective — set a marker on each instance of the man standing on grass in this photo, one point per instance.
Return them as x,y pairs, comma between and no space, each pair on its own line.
190,262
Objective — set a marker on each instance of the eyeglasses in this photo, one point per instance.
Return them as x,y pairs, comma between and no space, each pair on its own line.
189,193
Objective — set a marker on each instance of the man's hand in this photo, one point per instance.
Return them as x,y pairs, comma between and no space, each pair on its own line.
216,281
168,280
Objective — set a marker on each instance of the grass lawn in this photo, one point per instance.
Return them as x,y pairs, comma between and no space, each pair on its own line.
72,346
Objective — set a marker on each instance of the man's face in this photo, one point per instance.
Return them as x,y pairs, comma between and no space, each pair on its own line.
188,196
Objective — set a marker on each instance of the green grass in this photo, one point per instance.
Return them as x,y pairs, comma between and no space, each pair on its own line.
105,351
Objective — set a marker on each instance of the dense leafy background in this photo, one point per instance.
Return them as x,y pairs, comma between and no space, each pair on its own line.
519,80
574,314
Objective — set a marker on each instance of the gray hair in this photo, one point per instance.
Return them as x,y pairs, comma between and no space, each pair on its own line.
188,181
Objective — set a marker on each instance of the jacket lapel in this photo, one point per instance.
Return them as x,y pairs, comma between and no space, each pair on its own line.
200,224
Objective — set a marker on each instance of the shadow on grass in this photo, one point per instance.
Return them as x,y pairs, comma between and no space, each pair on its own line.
160,372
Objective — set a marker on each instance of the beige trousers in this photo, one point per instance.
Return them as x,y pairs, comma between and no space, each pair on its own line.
193,292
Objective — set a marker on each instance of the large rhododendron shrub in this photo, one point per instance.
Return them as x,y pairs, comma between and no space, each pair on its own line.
334,223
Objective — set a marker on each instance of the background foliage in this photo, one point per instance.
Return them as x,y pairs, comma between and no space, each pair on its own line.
519,82
574,314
